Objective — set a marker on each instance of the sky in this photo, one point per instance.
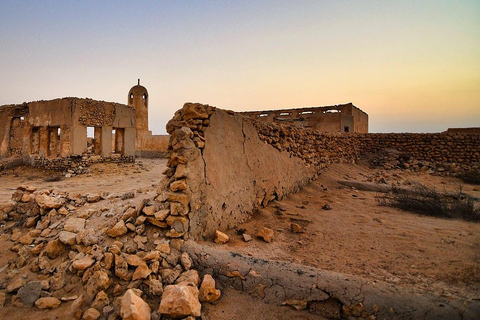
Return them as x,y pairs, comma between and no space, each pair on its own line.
413,66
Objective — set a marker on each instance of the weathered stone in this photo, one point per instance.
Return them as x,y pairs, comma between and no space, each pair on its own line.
162,214
133,307
30,293
178,185
155,222
149,210
91,198
83,263
101,300
47,202
207,292
189,276
221,237
163,247
246,237
155,287
186,261
75,225
141,272
266,234
179,301
68,238
47,303
118,230
152,255
91,314
295,228
2,299
169,275
180,224
97,282
121,268
54,249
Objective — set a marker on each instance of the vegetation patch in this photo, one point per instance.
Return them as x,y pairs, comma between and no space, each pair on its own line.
428,201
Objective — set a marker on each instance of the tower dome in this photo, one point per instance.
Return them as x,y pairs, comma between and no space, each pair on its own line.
138,99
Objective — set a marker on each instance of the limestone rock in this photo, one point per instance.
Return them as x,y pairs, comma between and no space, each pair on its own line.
133,307
67,237
121,268
54,249
83,263
91,198
101,300
118,230
221,237
134,260
47,303
91,314
97,282
149,210
141,272
266,234
75,225
2,299
178,185
179,301
186,261
207,292
47,202
189,276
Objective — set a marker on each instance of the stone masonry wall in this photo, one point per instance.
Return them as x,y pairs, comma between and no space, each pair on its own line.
441,152
220,172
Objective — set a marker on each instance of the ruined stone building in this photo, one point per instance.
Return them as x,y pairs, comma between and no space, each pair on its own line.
338,118
43,130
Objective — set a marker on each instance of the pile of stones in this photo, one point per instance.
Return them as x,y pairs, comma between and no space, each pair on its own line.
106,261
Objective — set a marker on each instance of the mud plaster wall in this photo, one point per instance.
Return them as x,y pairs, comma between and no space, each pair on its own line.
219,174
152,146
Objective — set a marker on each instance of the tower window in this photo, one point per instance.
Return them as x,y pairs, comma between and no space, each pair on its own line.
131,95
144,96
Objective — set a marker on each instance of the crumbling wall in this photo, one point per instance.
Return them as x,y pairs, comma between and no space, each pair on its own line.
338,118
442,152
220,172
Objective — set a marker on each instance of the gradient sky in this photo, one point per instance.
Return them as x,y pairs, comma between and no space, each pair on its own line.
413,66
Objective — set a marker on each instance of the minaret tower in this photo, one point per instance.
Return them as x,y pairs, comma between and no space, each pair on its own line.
138,99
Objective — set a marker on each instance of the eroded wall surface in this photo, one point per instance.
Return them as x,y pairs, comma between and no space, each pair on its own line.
220,172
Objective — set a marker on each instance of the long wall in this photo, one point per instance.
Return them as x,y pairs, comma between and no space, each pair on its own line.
440,151
220,172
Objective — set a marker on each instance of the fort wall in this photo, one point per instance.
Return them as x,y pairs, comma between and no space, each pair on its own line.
220,172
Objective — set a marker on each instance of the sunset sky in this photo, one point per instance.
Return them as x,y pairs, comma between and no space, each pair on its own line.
413,66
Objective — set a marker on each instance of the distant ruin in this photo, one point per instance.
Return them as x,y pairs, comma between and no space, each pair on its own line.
338,118
40,131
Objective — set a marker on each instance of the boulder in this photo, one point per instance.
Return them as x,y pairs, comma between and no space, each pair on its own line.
180,301
133,307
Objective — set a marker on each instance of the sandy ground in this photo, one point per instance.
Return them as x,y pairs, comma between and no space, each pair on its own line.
357,236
